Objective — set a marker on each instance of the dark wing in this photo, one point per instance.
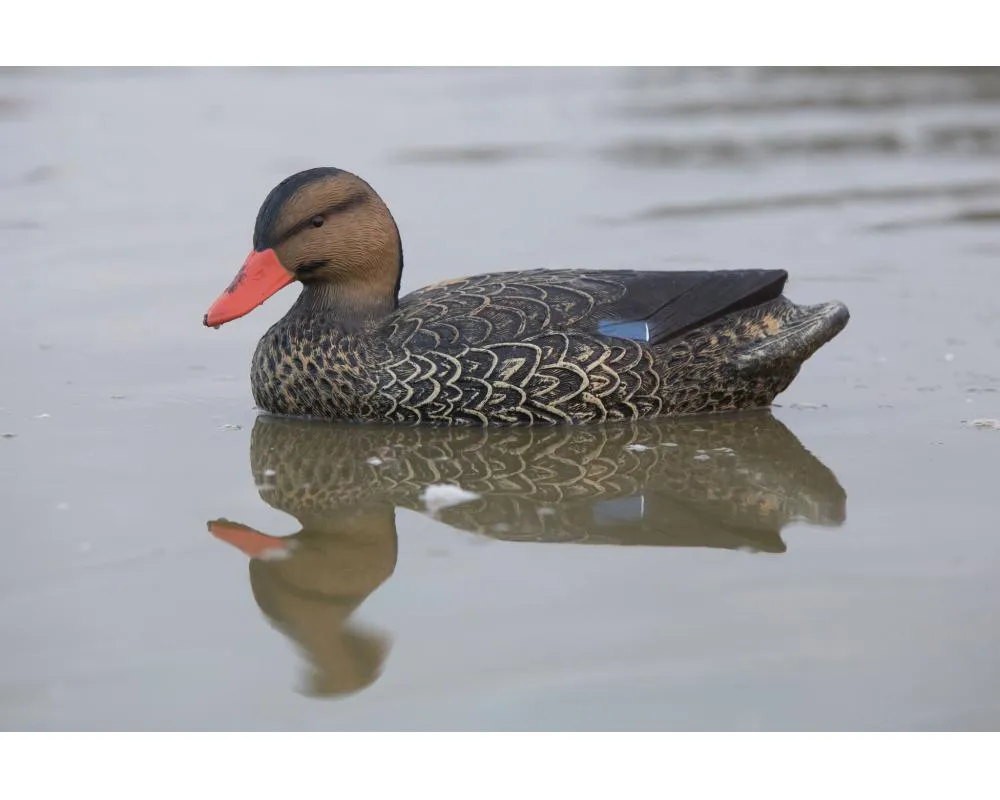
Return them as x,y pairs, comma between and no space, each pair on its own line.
673,303
646,306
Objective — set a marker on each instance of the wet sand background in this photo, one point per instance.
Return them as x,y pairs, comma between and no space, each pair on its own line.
127,200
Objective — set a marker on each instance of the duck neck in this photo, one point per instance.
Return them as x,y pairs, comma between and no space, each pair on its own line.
351,306
360,302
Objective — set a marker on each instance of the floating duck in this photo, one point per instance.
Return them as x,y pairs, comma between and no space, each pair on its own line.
531,347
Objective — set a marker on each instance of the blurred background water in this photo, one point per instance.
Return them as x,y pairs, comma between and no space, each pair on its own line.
832,566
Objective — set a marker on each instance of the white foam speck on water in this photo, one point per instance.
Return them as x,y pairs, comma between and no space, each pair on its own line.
807,406
637,448
985,424
42,416
279,552
670,444
230,427
702,457
375,461
270,473
439,496
949,356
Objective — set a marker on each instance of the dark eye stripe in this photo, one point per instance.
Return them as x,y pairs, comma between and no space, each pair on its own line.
270,209
336,208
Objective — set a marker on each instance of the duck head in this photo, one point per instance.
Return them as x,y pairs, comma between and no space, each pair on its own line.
328,229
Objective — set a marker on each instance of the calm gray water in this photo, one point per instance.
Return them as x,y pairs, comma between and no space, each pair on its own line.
835,565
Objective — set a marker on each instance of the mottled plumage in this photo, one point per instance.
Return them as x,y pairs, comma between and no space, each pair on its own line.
525,348
532,347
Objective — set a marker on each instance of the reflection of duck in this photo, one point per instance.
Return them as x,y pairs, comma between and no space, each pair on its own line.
723,482
514,348
310,583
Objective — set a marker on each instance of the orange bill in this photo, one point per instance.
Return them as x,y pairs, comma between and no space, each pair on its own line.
260,277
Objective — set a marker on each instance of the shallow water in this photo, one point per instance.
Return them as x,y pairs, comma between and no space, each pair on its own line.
833,565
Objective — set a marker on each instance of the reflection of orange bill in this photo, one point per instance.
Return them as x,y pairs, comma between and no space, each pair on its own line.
253,543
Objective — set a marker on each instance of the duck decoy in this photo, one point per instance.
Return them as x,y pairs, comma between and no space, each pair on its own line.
541,346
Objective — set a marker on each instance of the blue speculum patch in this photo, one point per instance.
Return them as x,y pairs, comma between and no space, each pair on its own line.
622,509
625,329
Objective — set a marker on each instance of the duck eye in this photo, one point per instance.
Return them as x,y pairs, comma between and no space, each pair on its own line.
316,221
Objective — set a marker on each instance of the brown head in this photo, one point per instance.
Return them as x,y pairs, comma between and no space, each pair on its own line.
328,229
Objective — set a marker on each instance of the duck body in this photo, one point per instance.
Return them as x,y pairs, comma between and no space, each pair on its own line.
546,347
536,347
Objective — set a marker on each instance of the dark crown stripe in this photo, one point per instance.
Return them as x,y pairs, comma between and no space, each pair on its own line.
264,232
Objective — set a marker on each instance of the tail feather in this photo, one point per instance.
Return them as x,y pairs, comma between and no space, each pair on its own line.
794,334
